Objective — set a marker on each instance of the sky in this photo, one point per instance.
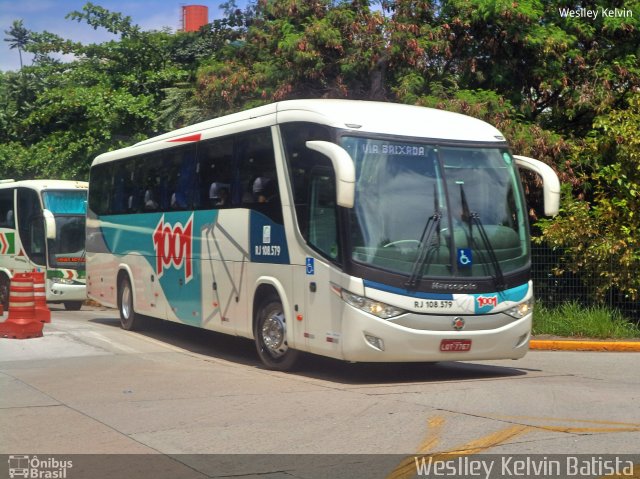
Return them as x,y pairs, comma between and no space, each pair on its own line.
49,15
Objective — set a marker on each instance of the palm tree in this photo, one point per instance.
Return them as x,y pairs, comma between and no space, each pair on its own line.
19,36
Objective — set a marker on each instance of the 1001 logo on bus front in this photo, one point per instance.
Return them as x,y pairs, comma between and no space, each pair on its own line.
173,246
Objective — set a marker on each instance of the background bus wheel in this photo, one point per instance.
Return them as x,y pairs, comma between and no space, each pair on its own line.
271,336
4,291
72,305
128,317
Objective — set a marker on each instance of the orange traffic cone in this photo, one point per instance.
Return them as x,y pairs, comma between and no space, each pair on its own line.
42,311
21,323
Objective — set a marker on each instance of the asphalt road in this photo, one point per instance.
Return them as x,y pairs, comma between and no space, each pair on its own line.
88,387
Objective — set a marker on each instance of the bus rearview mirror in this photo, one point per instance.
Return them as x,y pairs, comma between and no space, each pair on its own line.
49,224
344,169
550,182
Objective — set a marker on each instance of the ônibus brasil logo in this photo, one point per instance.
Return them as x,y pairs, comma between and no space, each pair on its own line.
173,245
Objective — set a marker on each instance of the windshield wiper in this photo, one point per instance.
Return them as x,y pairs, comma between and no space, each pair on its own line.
425,249
473,217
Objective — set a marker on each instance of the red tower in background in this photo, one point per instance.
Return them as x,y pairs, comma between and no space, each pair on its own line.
193,17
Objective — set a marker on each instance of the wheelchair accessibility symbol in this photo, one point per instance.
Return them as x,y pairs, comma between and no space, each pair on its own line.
465,257
310,266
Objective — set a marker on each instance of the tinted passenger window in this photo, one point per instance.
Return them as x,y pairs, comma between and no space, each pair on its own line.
234,171
313,183
7,214
258,177
31,225
216,174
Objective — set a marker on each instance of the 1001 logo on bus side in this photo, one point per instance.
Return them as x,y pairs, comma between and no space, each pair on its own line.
173,247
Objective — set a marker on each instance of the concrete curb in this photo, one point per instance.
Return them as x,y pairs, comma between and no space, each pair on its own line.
586,345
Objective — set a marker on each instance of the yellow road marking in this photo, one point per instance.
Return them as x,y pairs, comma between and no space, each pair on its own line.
586,421
407,468
612,425
435,426
478,445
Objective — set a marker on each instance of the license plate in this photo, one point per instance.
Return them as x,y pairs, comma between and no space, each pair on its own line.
455,345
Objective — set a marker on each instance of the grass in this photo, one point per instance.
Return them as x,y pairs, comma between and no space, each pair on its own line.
575,320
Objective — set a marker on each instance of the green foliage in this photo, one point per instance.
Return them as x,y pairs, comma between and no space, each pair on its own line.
561,89
574,320
58,117
606,229
18,37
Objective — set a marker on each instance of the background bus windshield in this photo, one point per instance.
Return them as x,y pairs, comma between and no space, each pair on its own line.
69,209
423,210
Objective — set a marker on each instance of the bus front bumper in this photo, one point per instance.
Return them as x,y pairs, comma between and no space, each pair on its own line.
59,292
369,339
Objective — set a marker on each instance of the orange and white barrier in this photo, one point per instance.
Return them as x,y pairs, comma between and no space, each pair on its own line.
42,311
22,322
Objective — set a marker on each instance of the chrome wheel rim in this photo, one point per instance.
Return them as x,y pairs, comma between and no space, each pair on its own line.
274,334
126,301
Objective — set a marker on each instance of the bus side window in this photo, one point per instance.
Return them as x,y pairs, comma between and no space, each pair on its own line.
100,189
7,219
181,170
146,193
313,185
323,230
31,229
258,178
215,173
122,188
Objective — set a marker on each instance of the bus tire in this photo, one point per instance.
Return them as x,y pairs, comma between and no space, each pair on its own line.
72,305
129,320
270,333
4,291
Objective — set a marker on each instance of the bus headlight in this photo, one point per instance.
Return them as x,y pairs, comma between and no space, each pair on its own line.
522,309
61,281
382,310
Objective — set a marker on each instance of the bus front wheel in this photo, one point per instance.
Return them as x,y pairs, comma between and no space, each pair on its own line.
128,317
4,291
270,333
72,305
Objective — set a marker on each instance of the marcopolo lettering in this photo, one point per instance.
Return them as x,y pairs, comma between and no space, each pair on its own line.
173,247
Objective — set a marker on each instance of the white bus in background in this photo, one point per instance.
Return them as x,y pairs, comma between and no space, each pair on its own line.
362,231
42,226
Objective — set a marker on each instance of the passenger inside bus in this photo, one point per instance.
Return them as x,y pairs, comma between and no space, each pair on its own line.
219,194
265,189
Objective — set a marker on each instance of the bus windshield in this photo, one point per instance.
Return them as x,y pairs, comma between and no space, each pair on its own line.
68,208
65,202
436,211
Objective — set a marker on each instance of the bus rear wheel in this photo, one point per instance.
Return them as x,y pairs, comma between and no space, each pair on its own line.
270,333
129,320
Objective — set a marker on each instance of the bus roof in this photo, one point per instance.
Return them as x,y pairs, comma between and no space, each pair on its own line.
40,185
359,116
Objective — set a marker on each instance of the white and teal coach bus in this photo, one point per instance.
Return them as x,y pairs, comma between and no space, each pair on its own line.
42,227
362,231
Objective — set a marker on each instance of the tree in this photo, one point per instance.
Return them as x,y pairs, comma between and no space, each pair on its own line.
601,237
109,97
19,37
561,89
